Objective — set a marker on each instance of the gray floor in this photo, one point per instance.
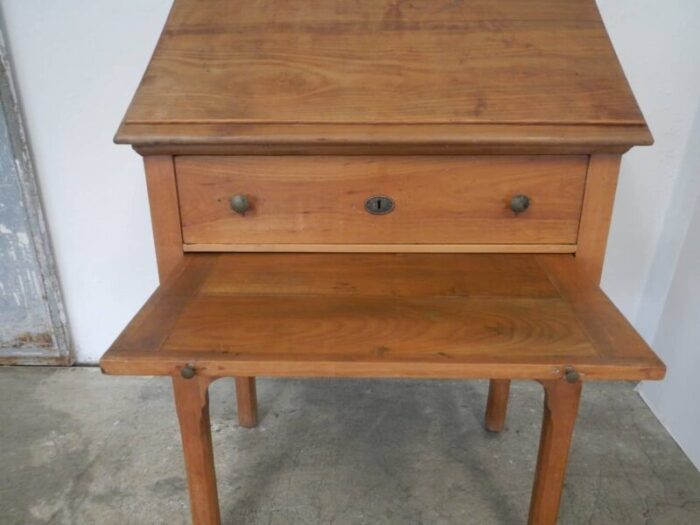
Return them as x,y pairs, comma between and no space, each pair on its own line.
81,448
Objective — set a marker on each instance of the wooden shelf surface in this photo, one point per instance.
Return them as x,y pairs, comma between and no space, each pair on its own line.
381,315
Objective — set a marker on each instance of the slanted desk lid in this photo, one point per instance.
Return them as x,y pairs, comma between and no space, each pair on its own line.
453,75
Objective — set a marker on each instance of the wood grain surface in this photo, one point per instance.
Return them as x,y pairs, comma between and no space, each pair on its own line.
561,401
601,184
380,248
246,402
320,200
413,315
192,406
380,139
497,405
165,212
230,73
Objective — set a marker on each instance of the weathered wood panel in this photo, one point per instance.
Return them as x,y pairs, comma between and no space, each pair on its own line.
32,318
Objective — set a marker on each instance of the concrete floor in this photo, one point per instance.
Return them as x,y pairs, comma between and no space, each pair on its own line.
81,448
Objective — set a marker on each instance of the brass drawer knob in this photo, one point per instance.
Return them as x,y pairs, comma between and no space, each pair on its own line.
240,204
187,372
571,375
519,203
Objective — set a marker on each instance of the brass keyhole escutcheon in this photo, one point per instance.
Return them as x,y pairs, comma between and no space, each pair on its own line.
379,205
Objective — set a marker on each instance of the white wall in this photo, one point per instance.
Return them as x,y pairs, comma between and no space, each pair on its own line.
659,46
653,242
78,63
675,400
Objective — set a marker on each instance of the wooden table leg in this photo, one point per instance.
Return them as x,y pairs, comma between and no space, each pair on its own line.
247,401
497,404
192,405
561,400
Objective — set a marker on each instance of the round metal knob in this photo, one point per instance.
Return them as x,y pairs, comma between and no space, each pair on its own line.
571,375
519,203
187,372
240,204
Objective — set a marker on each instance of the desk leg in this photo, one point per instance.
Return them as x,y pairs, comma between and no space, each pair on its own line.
247,402
192,405
497,404
561,400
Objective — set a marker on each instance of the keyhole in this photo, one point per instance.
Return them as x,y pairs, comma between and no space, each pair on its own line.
379,205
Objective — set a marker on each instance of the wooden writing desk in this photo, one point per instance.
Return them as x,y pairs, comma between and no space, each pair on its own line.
382,189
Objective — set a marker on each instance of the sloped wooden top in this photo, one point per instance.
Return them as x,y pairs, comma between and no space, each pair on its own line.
446,73
381,315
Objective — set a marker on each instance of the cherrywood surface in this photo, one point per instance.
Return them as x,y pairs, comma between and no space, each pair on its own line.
331,73
165,213
192,406
167,237
498,316
561,400
381,248
601,183
497,404
321,200
394,91
378,139
246,401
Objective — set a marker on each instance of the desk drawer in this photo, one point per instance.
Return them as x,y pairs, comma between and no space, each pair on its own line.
323,200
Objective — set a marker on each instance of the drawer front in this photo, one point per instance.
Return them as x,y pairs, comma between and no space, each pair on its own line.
323,200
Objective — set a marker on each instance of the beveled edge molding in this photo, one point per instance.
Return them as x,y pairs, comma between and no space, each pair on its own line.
379,139
382,248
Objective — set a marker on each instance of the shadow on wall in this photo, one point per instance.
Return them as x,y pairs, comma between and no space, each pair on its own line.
676,337
676,229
